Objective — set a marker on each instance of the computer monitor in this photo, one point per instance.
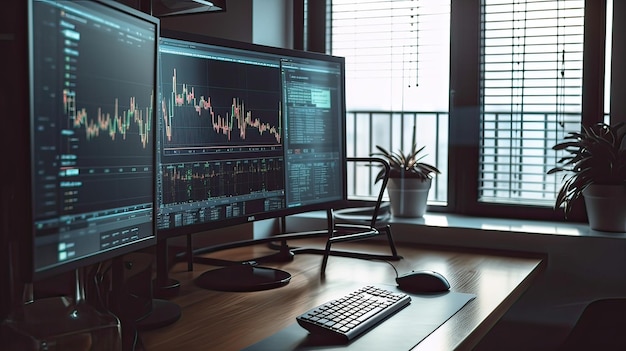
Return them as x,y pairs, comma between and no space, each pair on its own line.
246,132
82,105
93,69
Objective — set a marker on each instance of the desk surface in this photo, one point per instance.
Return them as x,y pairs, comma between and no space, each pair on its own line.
213,320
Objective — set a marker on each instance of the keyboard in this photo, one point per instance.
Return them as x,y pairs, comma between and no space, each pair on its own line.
353,314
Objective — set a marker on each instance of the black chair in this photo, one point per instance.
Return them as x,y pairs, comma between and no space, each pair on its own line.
353,228
601,326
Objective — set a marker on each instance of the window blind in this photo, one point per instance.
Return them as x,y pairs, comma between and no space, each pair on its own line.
531,95
394,50
397,76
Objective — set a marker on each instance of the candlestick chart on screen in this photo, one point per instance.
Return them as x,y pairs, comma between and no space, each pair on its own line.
216,104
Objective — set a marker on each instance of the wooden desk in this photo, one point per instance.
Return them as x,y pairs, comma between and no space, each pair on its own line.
213,320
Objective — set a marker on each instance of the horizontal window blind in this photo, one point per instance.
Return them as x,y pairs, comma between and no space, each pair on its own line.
531,95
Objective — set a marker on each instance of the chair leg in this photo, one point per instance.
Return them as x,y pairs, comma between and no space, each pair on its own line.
189,253
325,257
392,245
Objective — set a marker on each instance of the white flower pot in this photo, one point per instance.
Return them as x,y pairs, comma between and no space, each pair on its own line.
606,207
408,196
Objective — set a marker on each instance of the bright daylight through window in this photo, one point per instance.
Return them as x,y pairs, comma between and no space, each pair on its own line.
397,77
532,67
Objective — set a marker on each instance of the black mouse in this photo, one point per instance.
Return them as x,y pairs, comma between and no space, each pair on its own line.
423,281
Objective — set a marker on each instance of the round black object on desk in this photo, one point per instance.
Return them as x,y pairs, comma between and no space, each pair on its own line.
163,313
134,303
243,277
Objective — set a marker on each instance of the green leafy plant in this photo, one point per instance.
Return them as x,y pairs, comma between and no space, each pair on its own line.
407,165
594,156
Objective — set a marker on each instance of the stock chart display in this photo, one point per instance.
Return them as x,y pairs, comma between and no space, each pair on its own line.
92,132
221,138
94,72
246,133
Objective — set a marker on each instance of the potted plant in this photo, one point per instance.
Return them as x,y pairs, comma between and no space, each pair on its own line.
409,180
595,167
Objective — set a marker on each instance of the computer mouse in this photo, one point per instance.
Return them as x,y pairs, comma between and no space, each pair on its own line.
423,281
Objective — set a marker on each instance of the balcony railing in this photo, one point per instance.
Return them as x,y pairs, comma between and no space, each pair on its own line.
393,130
523,165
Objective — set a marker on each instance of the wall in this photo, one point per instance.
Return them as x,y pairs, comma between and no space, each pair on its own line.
272,23
618,69
14,191
235,23
266,22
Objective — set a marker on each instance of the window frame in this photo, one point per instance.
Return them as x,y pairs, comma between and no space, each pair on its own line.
464,109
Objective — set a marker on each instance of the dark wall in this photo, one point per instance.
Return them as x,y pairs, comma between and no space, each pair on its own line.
15,231
235,23
618,69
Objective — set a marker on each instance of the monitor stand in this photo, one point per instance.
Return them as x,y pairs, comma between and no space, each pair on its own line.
163,287
246,275
243,277
62,323
133,297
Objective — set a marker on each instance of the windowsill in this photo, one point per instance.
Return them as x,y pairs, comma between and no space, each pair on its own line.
507,225
455,221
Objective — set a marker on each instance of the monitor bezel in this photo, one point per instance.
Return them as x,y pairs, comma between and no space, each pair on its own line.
166,34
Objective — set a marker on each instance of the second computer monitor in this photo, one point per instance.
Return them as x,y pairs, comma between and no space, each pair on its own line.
247,132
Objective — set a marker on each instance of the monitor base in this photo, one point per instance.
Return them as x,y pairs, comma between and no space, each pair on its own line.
243,277
163,313
165,290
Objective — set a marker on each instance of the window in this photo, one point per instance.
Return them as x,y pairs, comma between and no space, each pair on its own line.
397,55
531,95
513,80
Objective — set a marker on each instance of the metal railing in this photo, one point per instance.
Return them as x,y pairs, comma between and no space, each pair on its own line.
527,163
393,130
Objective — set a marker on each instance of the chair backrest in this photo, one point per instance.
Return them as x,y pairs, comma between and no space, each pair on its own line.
600,327
350,214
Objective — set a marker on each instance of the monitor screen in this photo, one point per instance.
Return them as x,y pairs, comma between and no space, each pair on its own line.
94,69
246,132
